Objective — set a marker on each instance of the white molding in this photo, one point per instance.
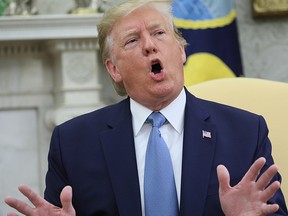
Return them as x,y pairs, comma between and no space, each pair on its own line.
46,27
71,42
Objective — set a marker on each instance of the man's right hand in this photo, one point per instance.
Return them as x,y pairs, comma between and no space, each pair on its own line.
41,206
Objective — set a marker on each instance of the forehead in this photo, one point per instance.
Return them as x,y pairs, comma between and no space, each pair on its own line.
144,16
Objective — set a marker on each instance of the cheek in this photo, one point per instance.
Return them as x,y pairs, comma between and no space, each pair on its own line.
130,78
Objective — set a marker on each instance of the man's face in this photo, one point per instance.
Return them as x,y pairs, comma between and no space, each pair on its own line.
147,58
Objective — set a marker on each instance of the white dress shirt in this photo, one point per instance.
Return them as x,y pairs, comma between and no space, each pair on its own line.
172,133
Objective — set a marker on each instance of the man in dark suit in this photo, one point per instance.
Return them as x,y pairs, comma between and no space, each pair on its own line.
101,155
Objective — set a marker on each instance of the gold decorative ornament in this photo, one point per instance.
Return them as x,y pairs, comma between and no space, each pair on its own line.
264,8
86,7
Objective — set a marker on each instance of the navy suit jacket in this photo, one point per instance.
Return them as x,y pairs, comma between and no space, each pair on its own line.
95,154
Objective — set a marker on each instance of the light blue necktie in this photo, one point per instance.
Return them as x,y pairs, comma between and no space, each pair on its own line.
159,184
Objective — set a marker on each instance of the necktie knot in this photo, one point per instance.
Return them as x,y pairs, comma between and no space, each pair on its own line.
156,119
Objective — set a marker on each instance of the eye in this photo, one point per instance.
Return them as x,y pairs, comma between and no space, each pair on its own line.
131,41
160,32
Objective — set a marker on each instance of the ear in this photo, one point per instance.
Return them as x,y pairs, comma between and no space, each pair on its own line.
183,53
113,71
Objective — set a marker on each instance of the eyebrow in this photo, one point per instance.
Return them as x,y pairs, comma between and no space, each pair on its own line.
135,30
129,33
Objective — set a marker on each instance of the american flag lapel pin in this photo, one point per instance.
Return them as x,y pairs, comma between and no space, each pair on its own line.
206,134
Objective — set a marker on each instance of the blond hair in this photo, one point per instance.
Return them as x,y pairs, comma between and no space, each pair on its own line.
118,11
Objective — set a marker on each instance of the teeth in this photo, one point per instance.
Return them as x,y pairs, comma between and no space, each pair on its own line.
156,68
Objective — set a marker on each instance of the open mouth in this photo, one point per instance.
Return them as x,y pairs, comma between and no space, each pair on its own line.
156,68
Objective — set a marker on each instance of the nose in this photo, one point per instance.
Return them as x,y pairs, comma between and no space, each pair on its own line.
149,45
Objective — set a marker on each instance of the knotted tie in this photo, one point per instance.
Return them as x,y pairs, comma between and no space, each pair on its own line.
159,184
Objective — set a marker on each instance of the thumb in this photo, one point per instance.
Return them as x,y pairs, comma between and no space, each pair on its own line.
223,178
66,200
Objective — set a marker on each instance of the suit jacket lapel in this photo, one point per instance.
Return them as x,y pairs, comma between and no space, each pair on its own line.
119,151
198,152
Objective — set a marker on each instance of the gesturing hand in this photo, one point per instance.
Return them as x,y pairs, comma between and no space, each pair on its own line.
249,197
41,206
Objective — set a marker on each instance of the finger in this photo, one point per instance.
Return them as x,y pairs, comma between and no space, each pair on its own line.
66,199
254,170
266,177
269,208
223,178
11,214
270,191
19,205
36,199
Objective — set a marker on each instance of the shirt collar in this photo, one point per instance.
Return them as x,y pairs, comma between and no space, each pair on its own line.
174,113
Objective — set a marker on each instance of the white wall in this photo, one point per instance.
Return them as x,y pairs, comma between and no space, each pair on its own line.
264,44
19,155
